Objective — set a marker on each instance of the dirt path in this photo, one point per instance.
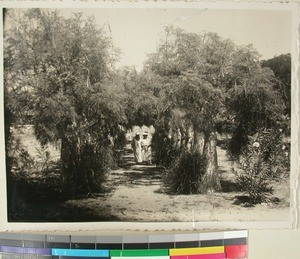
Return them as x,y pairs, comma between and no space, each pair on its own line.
136,194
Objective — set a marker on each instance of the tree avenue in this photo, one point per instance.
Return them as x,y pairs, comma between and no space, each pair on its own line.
193,88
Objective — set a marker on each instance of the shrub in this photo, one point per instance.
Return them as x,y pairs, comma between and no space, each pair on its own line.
118,148
185,176
254,179
275,151
165,151
24,163
90,172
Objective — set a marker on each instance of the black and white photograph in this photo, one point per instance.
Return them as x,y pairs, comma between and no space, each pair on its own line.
165,114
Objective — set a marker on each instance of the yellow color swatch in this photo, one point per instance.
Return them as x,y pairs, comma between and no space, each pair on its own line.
197,251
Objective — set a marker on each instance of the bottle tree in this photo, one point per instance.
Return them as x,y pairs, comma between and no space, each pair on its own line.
58,70
213,86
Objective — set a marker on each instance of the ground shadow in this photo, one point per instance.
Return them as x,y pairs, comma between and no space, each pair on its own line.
59,212
137,175
229,186
32,202
132,174
223,143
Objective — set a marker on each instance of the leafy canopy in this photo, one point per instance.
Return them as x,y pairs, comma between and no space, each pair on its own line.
58,70
216,85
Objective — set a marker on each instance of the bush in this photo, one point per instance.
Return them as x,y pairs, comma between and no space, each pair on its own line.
255,178
88,170
166,153
118,148
32,177
185,176
24,163
275,151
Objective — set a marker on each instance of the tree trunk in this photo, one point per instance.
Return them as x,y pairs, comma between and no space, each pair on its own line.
189,139
183,137
210,180
199,140
71,166
178,138
66,167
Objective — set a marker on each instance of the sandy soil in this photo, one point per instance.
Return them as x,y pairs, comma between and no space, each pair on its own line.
135,193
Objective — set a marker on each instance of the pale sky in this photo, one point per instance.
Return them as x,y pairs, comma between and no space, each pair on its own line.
138,31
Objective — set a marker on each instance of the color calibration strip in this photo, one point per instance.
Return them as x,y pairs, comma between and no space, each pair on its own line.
212,245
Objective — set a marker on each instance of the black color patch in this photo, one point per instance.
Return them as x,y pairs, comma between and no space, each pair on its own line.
187,244
161,245
136,246
57,245
235,241
109,246
207,243
83,246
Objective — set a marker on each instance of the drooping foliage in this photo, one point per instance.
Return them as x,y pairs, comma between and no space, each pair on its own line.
58,74
213,86
255,106
186,173
281,66
142,102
